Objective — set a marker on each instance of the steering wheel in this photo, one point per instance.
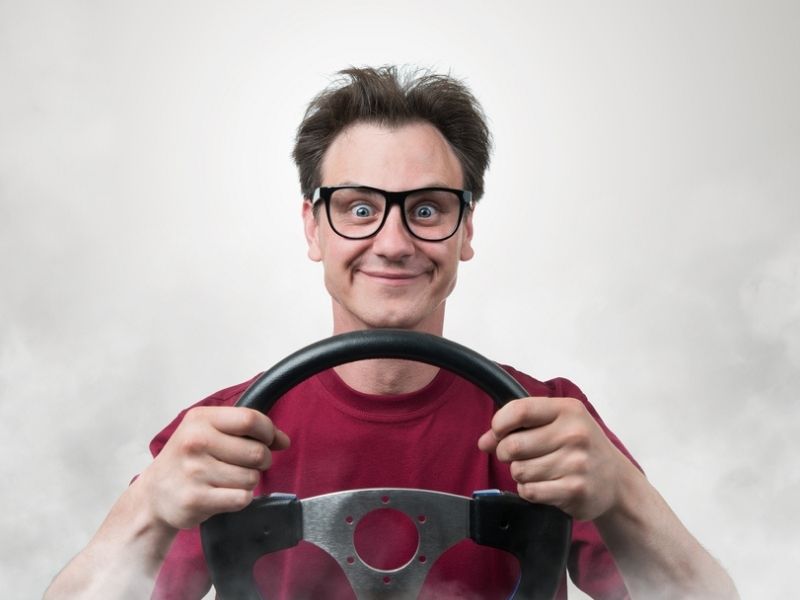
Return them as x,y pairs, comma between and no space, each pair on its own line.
538,535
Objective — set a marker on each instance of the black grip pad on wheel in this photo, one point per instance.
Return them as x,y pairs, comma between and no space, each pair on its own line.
233,542
537,534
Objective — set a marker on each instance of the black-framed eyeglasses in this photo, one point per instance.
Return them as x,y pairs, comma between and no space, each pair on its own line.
357,212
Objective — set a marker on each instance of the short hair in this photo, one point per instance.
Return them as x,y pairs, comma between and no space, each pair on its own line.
394,97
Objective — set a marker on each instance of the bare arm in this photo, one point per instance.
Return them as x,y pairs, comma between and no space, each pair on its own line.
211,464
123,558
656,554
559,455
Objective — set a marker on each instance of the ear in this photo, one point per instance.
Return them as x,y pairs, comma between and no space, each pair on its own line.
467,252
311,227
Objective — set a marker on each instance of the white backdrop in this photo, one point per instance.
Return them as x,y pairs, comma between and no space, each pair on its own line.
640,235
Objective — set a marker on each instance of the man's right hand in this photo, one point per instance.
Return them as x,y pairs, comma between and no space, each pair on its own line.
210,465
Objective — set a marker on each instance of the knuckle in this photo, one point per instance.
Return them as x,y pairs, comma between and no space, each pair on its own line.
193,414
192,501
580,462
247,419
193,444
577,436
240,499
258,455
572,406
527,491
252,478
193,470
198,415
267,462
577,489
515,446
517,471
502,452
519,409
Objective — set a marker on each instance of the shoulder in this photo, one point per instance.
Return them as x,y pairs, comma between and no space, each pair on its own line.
558,387
224,397
561,387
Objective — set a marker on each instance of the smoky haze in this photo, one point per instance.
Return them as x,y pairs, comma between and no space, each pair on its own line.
640,234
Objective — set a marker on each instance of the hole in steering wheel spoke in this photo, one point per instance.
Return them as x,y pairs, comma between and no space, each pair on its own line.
386,539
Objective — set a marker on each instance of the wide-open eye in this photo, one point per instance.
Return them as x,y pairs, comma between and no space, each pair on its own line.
429,208
362,210
424,212
433,213
356,204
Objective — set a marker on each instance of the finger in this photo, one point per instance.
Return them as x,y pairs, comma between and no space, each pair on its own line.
192,505
566,493
240,451
221,500
549,467
244,422
542,492
223,475
525,444
524,413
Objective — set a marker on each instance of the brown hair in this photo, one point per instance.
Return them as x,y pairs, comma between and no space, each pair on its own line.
388,97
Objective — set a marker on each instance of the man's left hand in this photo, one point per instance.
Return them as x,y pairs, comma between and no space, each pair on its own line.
558,455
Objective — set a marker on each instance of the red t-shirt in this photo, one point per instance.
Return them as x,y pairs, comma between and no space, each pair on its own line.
343,439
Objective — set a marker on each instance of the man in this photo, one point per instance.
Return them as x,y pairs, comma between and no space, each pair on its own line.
390,169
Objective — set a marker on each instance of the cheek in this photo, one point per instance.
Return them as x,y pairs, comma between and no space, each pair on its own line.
340,255
447,267
449,258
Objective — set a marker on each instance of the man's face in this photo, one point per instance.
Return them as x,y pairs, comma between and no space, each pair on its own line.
391,279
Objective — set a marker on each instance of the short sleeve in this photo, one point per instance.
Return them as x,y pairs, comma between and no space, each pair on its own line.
184,574
590,564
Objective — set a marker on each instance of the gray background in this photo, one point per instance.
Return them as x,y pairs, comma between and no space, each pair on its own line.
640,234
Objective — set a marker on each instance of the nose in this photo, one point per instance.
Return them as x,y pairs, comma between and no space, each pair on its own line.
393,241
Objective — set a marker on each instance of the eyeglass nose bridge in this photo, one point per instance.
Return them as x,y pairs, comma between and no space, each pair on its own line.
396,199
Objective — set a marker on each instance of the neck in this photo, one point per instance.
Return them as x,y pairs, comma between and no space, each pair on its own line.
387,376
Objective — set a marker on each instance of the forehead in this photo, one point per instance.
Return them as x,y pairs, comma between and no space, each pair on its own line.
392,158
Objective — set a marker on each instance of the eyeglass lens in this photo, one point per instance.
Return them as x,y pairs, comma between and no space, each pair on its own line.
429,214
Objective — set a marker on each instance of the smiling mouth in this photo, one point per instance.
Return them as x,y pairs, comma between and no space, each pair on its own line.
397,278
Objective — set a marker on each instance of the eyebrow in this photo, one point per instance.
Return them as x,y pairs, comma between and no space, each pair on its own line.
422,187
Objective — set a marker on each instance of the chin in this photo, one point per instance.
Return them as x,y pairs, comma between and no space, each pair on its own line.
388,313
393,322
398,319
